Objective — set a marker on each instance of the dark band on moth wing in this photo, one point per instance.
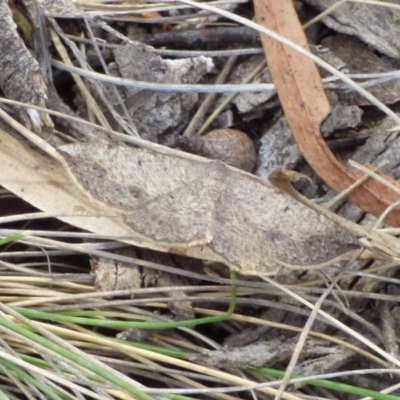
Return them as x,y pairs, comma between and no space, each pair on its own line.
100,186
96,180
313,250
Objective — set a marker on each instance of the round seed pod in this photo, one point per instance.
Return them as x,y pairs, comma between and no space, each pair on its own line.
231,146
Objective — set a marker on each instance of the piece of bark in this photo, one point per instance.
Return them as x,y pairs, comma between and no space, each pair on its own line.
183,310
278,149
383,145
375,25
218,37
20,75
246,102
269,353
342,117
360,59
115,275
158,111
61,9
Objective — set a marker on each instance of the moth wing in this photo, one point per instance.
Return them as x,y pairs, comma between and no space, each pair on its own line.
294,234
238,240
184,216
164,198
127,178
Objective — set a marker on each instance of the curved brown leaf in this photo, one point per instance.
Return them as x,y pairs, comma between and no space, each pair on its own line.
306,106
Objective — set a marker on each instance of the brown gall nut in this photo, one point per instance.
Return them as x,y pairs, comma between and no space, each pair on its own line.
231,146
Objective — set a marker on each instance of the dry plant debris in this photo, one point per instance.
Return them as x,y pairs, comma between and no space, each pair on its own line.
374,24
151,208
22,77
231,146
306,107
361,59
154,112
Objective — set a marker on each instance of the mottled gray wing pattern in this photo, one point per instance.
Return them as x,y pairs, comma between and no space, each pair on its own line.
183,217
166,199
127,178
293,234
238,239
171,200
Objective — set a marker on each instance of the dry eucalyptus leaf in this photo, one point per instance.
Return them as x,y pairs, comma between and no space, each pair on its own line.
202,208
